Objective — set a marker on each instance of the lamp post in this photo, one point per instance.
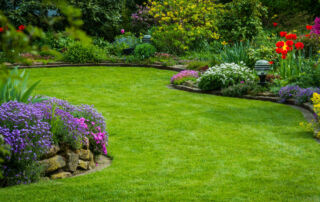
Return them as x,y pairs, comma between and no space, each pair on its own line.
146,39
262,67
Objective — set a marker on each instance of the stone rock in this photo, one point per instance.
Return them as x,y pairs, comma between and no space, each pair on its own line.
92,164
72,161
86,144
53,163
61,175
52,151
83,164
84,154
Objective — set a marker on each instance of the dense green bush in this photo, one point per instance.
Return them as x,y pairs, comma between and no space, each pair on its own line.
238,90
197,65
100,17
241,20
83,53
144,51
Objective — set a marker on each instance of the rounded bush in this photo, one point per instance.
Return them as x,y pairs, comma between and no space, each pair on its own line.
83,53
144,51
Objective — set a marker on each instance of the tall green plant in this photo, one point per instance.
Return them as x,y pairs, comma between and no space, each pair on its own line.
15,88
237,53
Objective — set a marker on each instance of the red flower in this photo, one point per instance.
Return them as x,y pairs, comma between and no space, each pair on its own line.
284,56
279,50
309,27
271,62
291,36
289,48
275,24
289,43
283,34
22,27
280,44
284,52
307,35
1,29
299,45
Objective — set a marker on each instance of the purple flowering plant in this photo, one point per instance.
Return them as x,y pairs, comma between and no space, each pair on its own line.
300,95
185,75
31,128
316,27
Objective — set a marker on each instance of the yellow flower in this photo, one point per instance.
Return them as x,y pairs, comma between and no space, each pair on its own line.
224,43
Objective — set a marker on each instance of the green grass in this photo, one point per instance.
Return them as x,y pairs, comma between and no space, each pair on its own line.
171,145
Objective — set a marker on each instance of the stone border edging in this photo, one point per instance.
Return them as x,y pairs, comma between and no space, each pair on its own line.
304,108
177,68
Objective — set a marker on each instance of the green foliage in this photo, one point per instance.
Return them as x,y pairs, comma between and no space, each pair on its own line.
238,90
100,17
197,65
310,77
78,52
15,88
4,151
103,44
311,45
237,53
144,51
241,20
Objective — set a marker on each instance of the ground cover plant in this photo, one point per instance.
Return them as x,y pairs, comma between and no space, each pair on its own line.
177,145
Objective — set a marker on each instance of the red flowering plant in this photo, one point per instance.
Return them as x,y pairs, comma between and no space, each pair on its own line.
287,53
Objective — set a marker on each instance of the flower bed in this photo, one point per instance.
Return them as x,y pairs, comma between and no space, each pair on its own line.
35,130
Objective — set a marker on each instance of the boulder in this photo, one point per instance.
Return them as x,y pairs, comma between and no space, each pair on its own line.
52,151
84,154
86,144
61,175
92,164
72,161
83,164
53,164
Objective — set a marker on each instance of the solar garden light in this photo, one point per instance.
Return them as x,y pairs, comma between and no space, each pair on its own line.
146,39
262,67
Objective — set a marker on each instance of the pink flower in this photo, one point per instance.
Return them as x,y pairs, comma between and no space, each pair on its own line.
122,31
241,81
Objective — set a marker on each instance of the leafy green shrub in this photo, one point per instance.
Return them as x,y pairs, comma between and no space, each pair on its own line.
241,20
144,51
238,90
83,53
311,44
103,44
14,88
224,75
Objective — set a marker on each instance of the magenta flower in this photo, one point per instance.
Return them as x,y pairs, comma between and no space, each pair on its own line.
122,31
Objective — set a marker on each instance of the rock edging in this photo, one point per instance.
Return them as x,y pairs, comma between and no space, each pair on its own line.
61,162
176,68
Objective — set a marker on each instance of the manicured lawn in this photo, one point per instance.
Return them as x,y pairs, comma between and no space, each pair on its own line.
170,145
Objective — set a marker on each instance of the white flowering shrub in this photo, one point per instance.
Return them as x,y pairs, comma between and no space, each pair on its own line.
224,75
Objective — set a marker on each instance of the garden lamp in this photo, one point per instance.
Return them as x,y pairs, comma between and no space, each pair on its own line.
262,67
146,39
